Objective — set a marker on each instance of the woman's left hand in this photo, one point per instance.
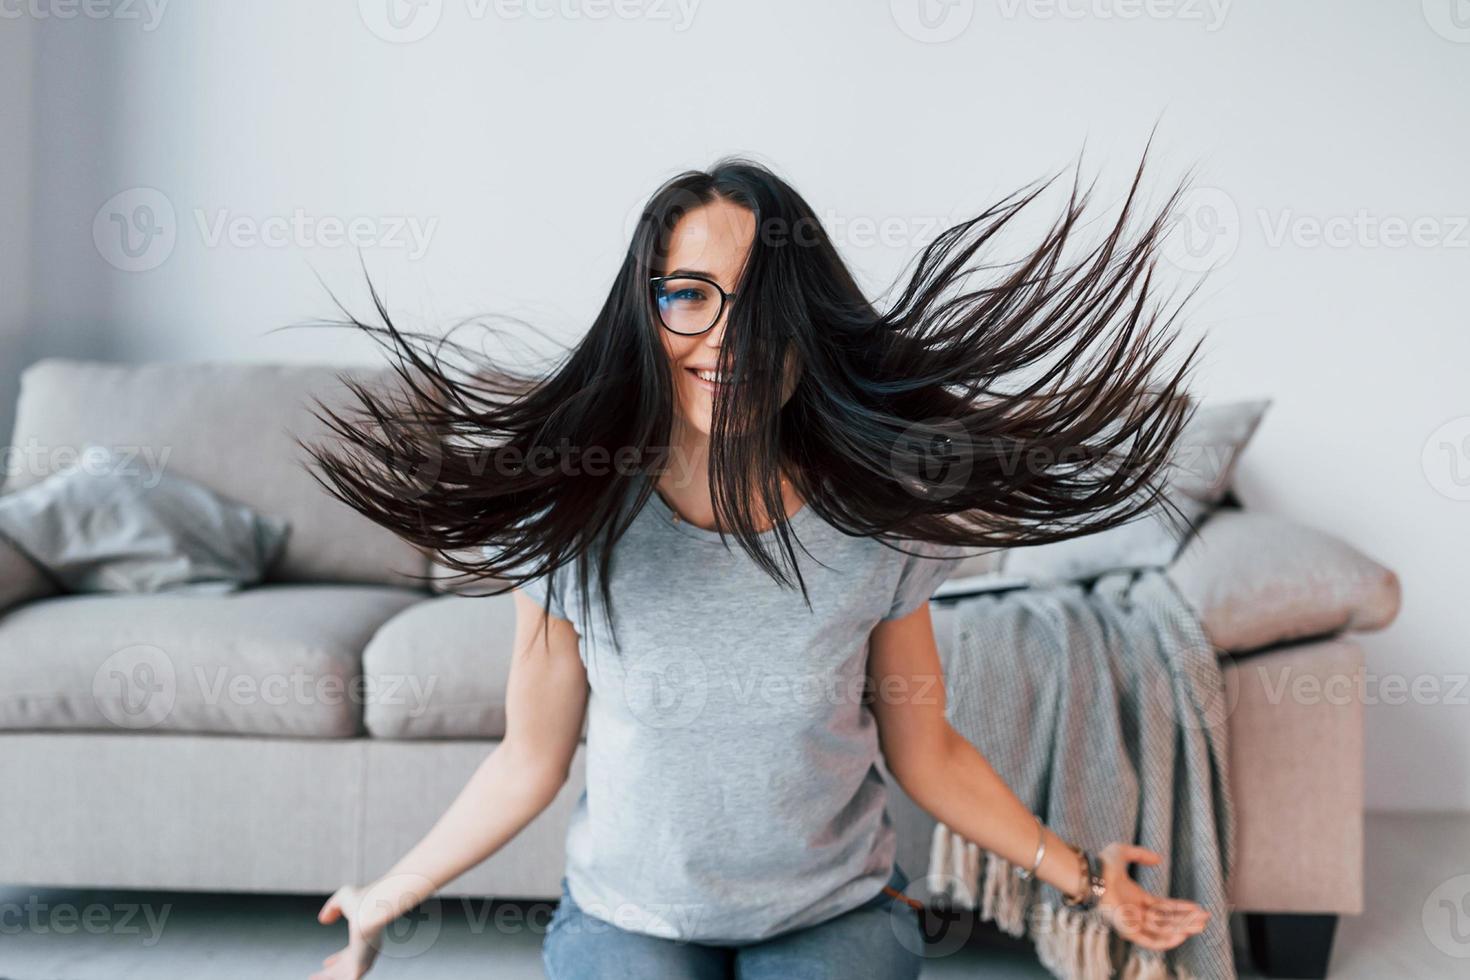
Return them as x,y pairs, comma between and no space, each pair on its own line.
1138,915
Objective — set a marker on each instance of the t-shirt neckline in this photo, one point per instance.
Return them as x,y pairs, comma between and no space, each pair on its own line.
669,518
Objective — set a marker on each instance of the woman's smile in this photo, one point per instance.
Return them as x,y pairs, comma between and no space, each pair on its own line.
709,379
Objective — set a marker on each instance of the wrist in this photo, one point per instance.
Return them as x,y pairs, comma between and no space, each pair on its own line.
385,899
1061,866
374,909
1091,887
1075,872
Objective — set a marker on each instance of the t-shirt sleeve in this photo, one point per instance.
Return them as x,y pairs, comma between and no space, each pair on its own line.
922,574
538,589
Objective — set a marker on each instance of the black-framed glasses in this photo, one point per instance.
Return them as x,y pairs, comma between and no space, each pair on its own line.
688,303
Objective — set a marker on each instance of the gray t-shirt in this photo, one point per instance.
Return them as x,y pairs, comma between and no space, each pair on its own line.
731,787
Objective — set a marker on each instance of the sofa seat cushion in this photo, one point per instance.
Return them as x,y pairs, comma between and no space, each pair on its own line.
447,660
278,660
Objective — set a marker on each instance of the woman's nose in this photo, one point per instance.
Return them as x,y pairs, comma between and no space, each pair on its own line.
715,335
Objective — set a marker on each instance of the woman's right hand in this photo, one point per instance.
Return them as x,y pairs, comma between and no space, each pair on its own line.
1139,916
356,958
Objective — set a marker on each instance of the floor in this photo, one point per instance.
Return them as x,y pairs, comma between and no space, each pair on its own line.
1417,925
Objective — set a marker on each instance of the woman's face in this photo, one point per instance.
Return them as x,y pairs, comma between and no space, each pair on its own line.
713,240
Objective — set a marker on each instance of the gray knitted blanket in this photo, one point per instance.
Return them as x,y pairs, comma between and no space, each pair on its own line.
1104,710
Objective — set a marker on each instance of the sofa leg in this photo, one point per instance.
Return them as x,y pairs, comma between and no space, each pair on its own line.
1290,945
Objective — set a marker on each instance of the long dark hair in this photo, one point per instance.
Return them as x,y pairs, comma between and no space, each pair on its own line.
990,406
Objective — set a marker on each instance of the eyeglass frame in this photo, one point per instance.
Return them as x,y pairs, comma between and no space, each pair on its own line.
725,298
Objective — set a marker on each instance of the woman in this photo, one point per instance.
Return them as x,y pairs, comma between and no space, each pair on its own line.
737,384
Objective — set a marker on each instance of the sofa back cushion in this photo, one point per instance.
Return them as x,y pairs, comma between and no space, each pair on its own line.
227,426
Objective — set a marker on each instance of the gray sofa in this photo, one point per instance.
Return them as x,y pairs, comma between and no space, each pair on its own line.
304,733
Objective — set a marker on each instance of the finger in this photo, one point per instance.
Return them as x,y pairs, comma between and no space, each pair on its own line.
1141,855
330,912
1150,927
1163,938
1175,910
1177,929
1182,912
1170,928
1194,919
1182,903
1133,919
1178,932
1143,916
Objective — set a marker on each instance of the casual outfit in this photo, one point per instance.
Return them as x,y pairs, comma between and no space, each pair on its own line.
732,795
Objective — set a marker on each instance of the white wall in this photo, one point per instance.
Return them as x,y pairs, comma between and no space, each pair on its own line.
522,142
16,133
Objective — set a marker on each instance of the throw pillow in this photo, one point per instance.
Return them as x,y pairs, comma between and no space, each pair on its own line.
21,580
103,525
1198,478
1258,580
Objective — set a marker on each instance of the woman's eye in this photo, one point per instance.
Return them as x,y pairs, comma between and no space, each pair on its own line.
684,296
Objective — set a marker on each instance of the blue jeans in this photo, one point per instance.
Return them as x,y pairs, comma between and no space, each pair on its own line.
880,940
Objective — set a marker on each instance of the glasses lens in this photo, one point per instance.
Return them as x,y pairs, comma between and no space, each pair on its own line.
687,305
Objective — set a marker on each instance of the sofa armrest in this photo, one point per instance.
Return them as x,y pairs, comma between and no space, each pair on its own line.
1257,580
21,579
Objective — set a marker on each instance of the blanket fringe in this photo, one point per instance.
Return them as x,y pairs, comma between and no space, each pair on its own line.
1071,943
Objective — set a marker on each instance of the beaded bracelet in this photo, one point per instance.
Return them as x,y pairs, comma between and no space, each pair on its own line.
1094,886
